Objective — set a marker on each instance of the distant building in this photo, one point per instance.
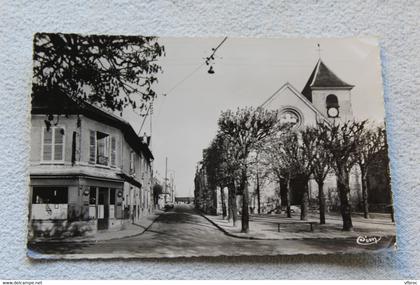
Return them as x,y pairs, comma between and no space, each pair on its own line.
186,200
89,170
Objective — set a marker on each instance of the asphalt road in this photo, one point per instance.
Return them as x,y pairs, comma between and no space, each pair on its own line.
183,232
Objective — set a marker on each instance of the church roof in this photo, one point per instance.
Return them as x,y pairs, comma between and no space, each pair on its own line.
322,77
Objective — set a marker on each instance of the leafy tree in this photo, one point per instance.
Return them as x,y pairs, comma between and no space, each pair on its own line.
217,170
341,140
157,191
371,143
227,170
111,71
244,129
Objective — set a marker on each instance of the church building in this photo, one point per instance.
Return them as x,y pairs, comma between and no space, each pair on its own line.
325,98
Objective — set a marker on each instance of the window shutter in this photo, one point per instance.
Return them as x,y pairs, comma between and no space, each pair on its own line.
47,145
92,146
58,144
113,151
132,162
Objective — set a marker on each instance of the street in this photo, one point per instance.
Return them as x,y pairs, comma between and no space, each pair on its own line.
183,232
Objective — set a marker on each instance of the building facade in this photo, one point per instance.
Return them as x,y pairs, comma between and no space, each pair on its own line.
89,170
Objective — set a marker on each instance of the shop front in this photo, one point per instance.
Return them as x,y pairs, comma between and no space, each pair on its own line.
74,205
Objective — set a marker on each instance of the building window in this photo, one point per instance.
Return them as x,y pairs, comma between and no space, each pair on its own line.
132,162
53,144
332,106
102,149
290,117
49,195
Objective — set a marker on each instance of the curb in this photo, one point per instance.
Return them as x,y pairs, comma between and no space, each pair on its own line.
228,233
98,241
256,238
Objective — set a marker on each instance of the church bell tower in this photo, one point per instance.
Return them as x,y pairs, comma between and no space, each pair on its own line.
329,94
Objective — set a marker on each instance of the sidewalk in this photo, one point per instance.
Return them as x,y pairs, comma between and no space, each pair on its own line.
128,230
264,227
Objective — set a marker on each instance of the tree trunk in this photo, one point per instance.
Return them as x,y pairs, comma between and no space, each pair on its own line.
365,193
222,198
344,192
321,197
288,210
304,206
245,202
388,181
229,207
233,212
258,195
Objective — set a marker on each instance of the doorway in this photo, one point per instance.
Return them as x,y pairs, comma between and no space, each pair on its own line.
103,208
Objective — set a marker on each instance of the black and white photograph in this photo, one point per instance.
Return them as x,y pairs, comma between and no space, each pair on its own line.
159,147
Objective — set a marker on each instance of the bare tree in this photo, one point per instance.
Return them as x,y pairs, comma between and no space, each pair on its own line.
274,166
371,143
341,140
321,165
297,151
245,128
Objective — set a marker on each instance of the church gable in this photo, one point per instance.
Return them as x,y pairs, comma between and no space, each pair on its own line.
293,106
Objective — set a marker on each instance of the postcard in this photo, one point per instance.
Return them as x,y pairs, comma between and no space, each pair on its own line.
154,147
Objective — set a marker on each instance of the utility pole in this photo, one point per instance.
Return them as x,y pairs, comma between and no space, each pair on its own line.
166,177
258,189
172,189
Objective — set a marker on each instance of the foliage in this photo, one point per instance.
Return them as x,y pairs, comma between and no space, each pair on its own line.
222,161
111,71
157,190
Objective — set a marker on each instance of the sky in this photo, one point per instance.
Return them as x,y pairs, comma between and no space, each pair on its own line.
247,72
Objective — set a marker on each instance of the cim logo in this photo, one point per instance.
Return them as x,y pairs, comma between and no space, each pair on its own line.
367,240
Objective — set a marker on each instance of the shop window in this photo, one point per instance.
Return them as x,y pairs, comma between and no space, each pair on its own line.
50,195
52,144
112,196
92,195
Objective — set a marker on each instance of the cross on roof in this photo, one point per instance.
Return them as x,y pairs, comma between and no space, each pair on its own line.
319,50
